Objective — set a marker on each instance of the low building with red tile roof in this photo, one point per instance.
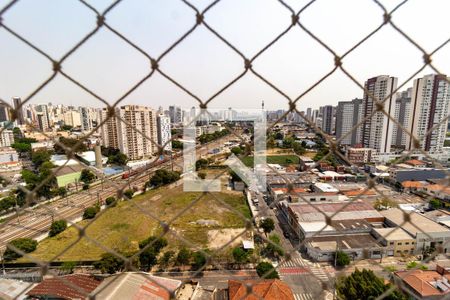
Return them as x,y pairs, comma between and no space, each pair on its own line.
424,284
269,289
73,286
416,163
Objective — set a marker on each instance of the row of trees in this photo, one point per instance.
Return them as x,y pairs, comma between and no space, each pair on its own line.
209,137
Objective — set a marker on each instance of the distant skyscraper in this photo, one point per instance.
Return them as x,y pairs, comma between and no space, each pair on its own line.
348,114
430,102
377,129
6,138
402,115
4,112
175,114
19,110
327,119
135,138
72,118
86,121
42,117
309,113
164,134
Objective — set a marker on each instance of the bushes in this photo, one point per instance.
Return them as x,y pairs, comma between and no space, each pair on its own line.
109,263
240,255
111,201
57,227
128,194
183,257
90,212
163,177
342,259
267,271
25,244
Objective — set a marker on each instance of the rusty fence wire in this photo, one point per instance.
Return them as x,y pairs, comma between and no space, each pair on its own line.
110,186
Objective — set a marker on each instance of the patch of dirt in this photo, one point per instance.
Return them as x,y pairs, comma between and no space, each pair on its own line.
219,237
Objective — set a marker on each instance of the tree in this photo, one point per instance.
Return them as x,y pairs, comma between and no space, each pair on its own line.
201,164
163,177
152,246
66,127
198,260
236,150
39,157
90,212
7,203
183,257
342,258
148,258
157,243
109,263
273,248
201,175
87,176
21,147
435,203
268,225
24,244
119,159
68,266
165,259
278,136
240,255
57,227
69,143
267,271
298,148
110,201
62,192
364,285
128,194
177,144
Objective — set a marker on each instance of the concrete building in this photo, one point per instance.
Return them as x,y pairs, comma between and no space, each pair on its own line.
42,117
359,155
400,174
17,102
133,136
6,138
175,114
309,113
72,118
348,114
85,118
164,134
9,160
397,241
430,102
4,113
426,232
377,129
402,115
328,119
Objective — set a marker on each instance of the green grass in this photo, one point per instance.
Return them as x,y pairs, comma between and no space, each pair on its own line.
122,227
283,160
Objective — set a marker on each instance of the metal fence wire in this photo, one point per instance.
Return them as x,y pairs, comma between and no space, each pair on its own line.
156,63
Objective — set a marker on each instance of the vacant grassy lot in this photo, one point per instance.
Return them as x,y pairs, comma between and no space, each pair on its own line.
283,160
122,227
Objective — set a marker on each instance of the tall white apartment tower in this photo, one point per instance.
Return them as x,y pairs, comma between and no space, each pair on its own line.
164,134
137,136
430,102
377,129
86,121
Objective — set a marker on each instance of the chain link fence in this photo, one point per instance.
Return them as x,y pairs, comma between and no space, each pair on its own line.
117,186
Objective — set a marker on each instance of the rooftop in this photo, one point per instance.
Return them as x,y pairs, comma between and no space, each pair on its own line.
272,289
325,187
413,184
345,242
417,223
74,286
425,282
393,234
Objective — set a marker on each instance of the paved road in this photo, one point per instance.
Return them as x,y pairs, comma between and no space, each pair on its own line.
33,223
305,278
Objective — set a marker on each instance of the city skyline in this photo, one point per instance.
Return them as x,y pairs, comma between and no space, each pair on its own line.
91,64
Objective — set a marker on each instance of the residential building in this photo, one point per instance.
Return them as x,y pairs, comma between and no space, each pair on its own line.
164,134
6,138
4,112
175,114
377,127
17,102
72,118
402,115
9,160
134,134
328,119
309,114
430,102
348,115
85,118
359,155
423,284
42,117
268,289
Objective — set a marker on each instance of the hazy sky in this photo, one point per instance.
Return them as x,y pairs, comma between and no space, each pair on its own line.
203,63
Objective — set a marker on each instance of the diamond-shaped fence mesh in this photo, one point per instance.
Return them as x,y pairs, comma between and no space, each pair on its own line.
36,208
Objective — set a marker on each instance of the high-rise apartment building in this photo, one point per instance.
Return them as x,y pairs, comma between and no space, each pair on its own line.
17,102
42,117
164,134
86,120
430,100
72,118
136,136
402,115
377,127
175,114
328,119
309,113
6,138
348,115
4,112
